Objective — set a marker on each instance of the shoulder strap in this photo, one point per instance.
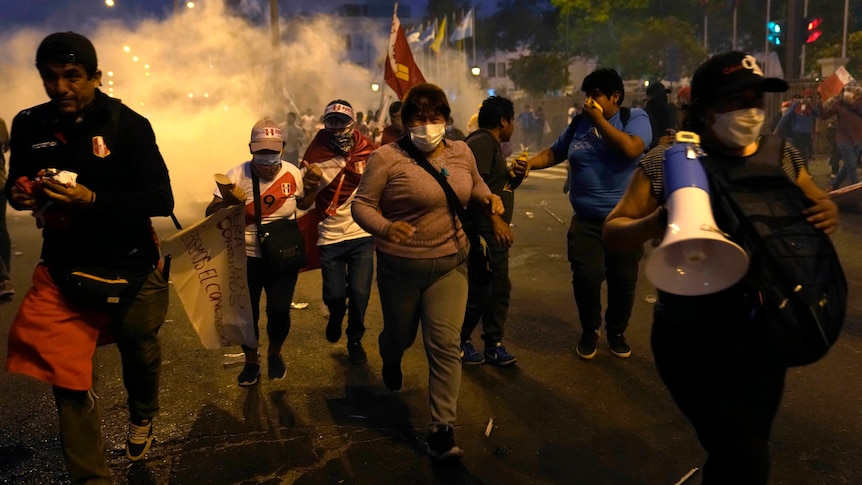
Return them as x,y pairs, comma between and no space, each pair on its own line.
255,190
625,115
454,204
771,150
573,125
114,108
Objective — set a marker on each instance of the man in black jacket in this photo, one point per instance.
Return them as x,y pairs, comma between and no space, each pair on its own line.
488,301
89,169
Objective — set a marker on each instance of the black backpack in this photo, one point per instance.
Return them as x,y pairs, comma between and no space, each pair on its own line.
799,288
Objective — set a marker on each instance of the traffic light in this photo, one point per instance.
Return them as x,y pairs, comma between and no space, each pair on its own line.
812,29
774,33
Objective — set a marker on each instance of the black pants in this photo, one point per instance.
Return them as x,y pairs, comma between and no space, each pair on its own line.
279,293
708,355
592,264
489,302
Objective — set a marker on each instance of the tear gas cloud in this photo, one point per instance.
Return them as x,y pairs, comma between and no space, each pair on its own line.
203,77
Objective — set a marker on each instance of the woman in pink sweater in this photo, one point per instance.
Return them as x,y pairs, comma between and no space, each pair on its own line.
422,252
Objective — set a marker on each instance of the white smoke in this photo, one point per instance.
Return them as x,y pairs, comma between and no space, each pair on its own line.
203,77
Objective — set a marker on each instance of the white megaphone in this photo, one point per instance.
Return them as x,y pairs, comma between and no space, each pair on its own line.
695,257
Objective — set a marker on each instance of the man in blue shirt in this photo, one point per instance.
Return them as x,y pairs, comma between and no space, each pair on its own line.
602,147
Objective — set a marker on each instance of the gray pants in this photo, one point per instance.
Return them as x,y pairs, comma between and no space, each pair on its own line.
433,291
136,333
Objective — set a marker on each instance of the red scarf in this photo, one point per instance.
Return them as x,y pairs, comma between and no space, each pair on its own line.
340,188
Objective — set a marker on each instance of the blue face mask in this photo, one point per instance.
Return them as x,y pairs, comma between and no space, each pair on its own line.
267,159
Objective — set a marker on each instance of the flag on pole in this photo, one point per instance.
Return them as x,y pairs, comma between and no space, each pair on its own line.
441,36
419,38
464,28
400,71
428,35
413,37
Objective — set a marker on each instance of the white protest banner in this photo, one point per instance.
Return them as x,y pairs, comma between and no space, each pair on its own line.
832,85
208,270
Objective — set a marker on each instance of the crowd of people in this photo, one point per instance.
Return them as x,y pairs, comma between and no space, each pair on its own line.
414,194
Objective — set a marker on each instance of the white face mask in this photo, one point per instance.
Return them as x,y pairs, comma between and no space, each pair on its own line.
740,128
427,137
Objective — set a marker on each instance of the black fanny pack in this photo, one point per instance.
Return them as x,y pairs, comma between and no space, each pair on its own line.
94,286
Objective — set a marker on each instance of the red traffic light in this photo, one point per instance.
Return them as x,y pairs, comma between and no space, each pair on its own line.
812,29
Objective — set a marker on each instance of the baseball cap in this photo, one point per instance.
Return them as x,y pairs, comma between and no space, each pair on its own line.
656,88
66,47
728,73
266,135
340,109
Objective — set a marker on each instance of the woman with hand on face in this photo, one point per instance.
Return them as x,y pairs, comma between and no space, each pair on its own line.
422,251
283,187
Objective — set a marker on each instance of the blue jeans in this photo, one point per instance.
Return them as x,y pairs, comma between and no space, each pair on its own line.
850,154
347,268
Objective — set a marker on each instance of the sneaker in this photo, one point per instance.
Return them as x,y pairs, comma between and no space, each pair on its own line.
139,439
6,290
441,443
392,376
497,355
355,352
333,329
469,354
249,375
619,347
587,346
275,367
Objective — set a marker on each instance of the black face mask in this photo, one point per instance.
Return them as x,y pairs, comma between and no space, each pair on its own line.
341,141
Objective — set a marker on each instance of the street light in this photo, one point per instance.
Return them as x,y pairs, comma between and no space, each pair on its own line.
475,71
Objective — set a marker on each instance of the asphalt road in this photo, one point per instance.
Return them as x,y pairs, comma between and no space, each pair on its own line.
556,419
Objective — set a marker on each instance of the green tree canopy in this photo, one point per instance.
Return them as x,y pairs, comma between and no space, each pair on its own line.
539,73
520,23
854,54
660,49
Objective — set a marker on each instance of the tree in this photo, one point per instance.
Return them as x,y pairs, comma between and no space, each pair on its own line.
539,73
593,28
520,23
660,49
854,53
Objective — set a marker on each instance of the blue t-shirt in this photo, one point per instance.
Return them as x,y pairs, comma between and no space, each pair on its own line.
599,173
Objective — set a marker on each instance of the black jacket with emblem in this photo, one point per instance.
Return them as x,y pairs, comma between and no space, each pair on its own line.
113,150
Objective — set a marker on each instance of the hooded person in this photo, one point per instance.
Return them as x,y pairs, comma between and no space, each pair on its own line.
344,249
662,114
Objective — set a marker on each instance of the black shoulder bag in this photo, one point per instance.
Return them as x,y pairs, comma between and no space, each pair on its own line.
479,259
281,242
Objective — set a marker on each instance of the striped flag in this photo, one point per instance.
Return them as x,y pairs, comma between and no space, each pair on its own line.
464,28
